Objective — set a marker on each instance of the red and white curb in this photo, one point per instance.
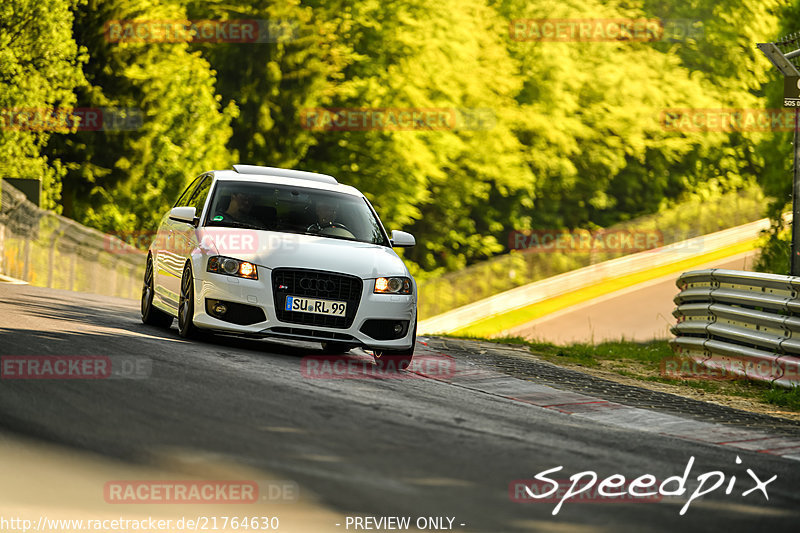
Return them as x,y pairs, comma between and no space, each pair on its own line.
612,413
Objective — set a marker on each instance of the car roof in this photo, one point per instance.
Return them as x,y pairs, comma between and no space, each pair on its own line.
281,176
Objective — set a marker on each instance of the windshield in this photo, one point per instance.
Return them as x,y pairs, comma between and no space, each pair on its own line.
266,206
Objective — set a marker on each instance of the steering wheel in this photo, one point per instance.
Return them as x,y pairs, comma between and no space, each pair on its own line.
316,227
338,225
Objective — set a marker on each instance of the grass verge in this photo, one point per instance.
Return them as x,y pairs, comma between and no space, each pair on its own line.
642,362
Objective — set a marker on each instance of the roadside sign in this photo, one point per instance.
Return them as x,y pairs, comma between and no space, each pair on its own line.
791,91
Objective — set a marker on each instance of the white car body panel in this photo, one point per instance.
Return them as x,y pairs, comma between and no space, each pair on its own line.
275,249
179,242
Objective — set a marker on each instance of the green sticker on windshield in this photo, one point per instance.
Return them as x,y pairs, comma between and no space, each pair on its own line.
218,217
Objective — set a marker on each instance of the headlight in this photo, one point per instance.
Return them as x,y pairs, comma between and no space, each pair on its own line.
232,267
393,286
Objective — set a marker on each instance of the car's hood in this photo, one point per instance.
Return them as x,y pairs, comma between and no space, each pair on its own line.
275,250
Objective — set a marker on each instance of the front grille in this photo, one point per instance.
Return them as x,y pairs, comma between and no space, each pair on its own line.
311,333
315,284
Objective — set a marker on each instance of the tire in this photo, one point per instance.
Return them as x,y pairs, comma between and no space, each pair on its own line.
396,359
336,348
150,315
186,327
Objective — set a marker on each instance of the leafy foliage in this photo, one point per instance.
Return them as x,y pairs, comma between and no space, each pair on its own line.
39,70
777,175
544,134
124,180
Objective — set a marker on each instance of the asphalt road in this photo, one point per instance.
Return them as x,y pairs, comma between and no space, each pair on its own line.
639,313
438,443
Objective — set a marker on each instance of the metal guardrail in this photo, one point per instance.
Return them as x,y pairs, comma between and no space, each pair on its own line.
744,324
48,250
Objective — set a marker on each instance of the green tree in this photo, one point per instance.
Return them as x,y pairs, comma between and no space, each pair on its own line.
776,150
39,69
437,183
124,180
594,120
272,81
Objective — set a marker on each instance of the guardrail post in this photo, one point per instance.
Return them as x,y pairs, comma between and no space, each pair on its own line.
739,324
114,276
73,258
2,247
27,264
51,260
795,266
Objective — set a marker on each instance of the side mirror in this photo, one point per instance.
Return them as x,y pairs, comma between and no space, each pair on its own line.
401,239
184,214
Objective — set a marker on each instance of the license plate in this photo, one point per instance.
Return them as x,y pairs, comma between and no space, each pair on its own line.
313,305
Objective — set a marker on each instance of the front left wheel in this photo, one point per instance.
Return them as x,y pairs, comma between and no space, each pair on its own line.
150,314
186,327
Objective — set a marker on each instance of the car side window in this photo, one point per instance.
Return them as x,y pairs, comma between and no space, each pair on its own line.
184,197
198,198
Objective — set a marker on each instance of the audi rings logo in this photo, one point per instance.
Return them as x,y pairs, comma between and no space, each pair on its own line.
322,285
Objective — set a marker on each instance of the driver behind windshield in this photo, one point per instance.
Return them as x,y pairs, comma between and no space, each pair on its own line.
325,210
239,209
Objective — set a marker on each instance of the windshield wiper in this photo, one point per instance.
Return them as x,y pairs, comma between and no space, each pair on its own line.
340,237
232,224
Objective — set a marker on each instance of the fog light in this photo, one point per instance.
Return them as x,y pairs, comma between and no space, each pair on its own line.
220,309
398,328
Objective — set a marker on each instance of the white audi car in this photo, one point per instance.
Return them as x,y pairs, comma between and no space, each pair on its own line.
270,252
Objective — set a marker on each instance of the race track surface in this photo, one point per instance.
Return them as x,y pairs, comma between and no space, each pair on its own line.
447,439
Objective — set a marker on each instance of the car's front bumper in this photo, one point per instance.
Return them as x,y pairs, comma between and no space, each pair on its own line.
259,293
